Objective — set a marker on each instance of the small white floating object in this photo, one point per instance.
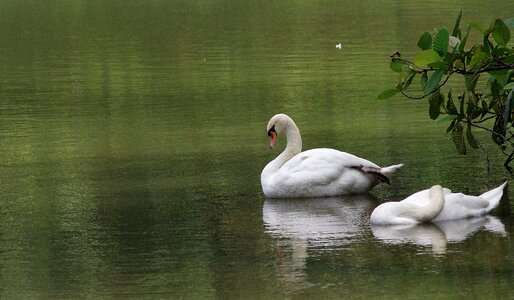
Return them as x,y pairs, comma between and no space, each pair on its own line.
339,46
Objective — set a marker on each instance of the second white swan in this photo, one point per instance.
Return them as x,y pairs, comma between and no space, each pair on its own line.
448,205
318,172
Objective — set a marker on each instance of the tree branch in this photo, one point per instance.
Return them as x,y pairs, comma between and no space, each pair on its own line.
490,69
433,91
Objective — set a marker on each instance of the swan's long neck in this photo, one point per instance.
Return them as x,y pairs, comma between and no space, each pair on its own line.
434,206
294,146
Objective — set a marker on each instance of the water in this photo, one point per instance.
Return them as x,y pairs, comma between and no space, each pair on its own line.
132,137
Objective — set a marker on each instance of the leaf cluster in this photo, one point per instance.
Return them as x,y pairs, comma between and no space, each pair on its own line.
443,55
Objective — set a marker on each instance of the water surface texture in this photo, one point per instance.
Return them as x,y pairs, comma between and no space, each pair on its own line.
133,134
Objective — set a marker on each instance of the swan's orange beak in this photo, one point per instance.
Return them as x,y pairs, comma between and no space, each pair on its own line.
272,139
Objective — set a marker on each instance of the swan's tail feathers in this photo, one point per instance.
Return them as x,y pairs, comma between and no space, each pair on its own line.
391,169
377,172
493,196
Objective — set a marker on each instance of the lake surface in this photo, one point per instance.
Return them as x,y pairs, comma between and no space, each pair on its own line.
133,134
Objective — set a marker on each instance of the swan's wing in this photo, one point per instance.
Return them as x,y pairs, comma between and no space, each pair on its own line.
458,206
321,167
461,201
342,158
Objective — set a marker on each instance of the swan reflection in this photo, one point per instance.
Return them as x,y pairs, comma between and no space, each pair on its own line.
304,227
437,234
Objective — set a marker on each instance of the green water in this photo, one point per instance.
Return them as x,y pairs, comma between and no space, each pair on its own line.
133,134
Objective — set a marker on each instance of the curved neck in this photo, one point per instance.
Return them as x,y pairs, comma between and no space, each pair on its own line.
294,146
434,205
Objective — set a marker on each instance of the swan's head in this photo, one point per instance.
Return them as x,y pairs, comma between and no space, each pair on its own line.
276,125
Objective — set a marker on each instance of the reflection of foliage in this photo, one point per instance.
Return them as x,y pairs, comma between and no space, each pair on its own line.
443,55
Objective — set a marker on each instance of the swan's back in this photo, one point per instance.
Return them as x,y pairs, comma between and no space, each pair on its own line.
459,205
323,172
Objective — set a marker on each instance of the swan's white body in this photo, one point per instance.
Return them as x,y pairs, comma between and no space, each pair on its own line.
459,205
410,212
318,172
455,206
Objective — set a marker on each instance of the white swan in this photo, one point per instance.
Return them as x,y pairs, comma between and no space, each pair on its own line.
318,172
410,212
454,206
459,205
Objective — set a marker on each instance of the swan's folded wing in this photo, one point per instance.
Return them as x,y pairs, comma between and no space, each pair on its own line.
462,201
310,167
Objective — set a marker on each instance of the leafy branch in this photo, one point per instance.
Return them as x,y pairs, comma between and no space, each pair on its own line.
443,56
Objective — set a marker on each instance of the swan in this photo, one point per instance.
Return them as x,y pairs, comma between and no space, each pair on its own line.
410,212
318,172
459,205
454,206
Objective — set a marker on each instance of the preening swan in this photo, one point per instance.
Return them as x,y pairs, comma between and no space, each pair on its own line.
454,206
459,205
318,172
410,212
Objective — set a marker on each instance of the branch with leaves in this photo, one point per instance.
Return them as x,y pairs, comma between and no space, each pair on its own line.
443,56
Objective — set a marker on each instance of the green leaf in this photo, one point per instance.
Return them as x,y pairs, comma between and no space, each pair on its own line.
458,138
386,94
396,65
437,65
424,79
425,41
471,81
408,79
441,40
433,81
456,28
464,40
479,59
462,104
501,76
447,118
507,109
485,109
501,32
434,105
471,102
471,139
509,86
476,26
498,131
486,45
452,125
426,57
450,106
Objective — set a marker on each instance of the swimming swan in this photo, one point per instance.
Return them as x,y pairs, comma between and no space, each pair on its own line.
318,172
455,206
410,212
459,205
